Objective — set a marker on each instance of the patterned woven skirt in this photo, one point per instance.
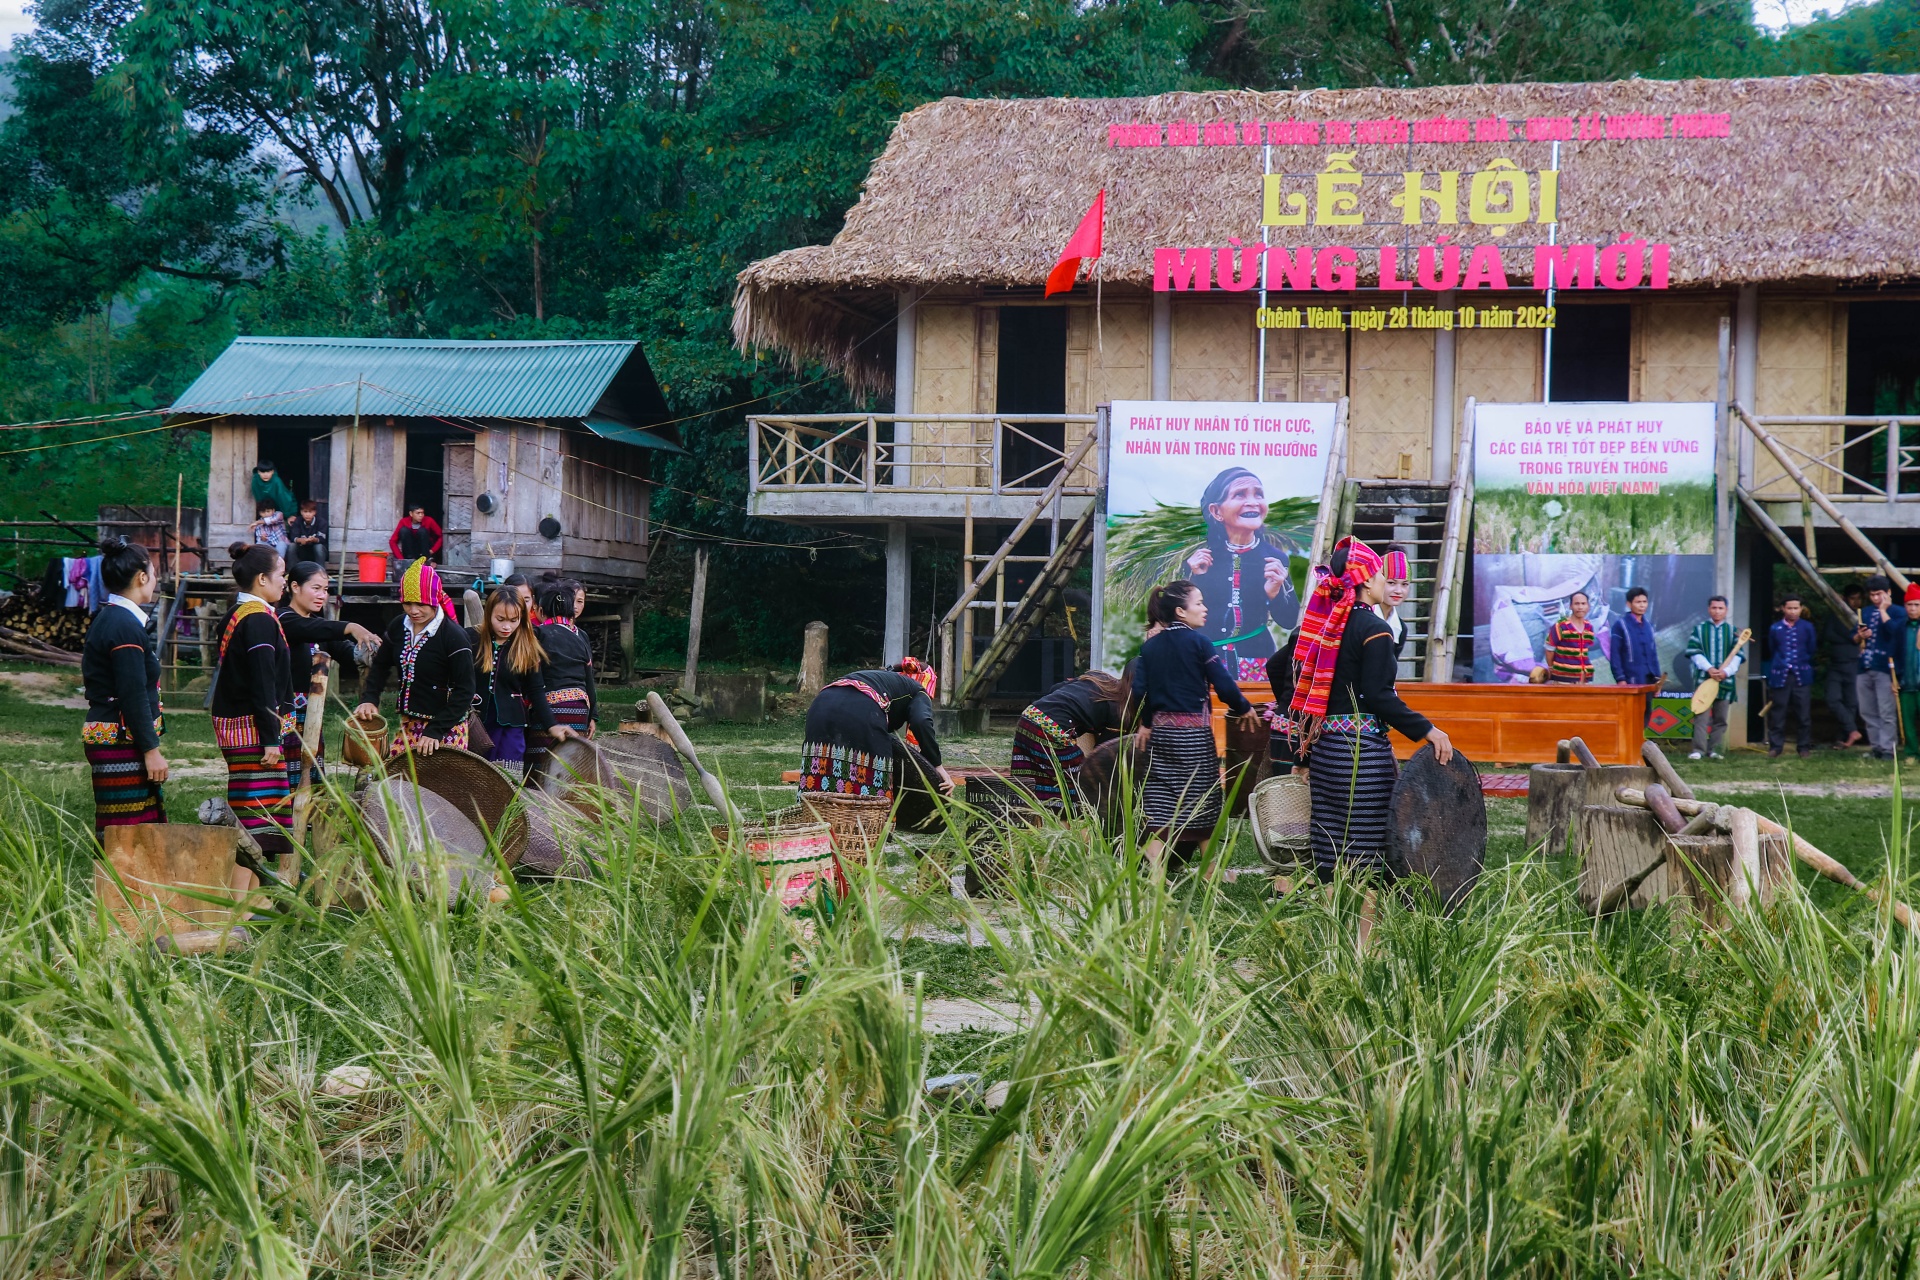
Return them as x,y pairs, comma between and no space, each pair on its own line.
848,750
413,728
123,794
575,712
1181,795
1352,778
1044,756
257,792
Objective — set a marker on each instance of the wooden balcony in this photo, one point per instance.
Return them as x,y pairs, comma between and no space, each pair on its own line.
867,468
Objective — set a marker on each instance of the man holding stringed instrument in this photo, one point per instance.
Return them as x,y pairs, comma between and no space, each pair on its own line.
1791,643
1714,651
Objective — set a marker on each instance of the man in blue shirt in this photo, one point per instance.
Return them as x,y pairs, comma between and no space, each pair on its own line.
1790,646
1632,654
1879,635
1908,669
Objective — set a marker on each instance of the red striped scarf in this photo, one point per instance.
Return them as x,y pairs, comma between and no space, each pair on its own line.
1318,646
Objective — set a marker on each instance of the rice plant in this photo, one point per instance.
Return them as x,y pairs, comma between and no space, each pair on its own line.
652,1071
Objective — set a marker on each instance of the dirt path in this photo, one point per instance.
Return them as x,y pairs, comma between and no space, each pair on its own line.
44,688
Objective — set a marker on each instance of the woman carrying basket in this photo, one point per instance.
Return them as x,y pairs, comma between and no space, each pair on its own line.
1181,796
435,659
120,671
1343,704
253,707
850,747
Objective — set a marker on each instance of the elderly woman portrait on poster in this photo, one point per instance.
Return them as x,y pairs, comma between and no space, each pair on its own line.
1241,574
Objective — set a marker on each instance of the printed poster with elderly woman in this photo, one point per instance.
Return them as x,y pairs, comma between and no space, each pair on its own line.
1225,495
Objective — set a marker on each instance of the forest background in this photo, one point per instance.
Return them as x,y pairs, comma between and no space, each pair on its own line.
178,172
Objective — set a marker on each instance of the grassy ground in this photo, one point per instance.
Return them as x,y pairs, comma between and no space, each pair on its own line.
656,1074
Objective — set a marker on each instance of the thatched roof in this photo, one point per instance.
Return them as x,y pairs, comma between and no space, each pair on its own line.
1819,180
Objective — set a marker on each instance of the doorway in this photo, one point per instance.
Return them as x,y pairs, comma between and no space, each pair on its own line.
1031,378
1883,380
1593,353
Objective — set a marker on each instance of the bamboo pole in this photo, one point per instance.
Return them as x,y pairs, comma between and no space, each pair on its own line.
1820,499
696,616
1784,545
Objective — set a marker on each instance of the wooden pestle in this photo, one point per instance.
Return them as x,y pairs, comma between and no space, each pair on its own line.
1582,753
1663,769
1820,862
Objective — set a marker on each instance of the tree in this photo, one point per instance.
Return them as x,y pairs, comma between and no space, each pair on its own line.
1880,37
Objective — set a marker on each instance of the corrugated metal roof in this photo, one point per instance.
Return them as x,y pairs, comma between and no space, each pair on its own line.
620,433
413,378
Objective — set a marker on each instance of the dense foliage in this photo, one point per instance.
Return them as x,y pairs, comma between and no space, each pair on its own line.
178,172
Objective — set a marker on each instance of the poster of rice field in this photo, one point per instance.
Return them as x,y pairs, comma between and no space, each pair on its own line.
1592,499
1223,494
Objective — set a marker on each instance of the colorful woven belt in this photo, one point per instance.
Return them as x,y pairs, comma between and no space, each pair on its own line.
1182,720
1352,724
1047,725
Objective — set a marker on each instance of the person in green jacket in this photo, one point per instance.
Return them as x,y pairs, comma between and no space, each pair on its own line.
269,483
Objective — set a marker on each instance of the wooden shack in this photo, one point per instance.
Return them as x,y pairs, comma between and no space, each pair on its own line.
538,452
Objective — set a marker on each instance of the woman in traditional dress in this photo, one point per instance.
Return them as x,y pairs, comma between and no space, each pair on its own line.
120,672
434,656
511,698
1399,586
1181,796
313,642
1056,733
851,748
1343,704
253,706
573,700
1243,576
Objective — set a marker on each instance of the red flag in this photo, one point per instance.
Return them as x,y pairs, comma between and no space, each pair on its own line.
1083,243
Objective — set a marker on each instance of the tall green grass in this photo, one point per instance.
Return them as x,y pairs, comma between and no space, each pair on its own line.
654,1073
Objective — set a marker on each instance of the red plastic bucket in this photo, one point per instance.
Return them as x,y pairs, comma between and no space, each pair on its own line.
373,566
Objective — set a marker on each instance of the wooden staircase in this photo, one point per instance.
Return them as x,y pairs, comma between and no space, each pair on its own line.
1413,517
1015,628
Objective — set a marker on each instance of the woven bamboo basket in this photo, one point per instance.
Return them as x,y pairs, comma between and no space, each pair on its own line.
1280,811
366,741
858,823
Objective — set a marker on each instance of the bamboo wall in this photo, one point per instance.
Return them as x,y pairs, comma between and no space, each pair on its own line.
1802,369
948,373
1495,366
1387,375
1390,409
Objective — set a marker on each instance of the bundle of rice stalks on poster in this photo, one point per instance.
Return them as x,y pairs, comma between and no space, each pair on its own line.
1151,548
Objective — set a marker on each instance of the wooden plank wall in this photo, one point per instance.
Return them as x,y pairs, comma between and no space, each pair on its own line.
456,500
379,480
521,466
604,511
234,447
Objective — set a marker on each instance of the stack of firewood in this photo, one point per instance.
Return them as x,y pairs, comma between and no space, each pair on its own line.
32,628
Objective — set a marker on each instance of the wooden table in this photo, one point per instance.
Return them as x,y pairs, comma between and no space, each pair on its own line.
1523,723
